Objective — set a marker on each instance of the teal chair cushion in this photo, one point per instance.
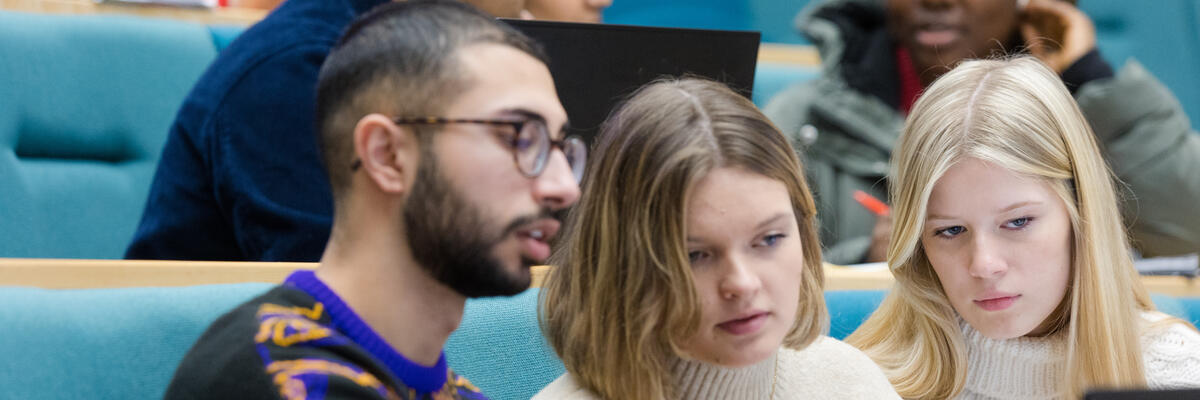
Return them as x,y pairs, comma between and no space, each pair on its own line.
1163,35
849,308
85,104
500,348
771,78
223,35
699,14
104,343
126,343
1191,309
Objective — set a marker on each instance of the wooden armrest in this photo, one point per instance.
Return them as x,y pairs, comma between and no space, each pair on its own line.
51,273
779,53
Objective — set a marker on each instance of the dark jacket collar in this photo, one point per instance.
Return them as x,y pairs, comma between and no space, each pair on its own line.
852,38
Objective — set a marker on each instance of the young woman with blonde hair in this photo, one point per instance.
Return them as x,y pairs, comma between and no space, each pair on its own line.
1013,274
690,269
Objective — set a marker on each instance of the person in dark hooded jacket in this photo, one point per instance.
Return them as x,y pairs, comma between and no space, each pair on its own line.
877,56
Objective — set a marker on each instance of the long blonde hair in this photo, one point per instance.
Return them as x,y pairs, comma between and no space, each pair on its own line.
1018,115
621,296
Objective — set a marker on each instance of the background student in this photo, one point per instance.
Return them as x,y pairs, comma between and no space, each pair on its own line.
878,56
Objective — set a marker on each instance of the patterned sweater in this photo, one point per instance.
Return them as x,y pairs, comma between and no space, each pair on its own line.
300,341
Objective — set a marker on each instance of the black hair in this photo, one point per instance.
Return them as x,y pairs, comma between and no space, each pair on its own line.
399,59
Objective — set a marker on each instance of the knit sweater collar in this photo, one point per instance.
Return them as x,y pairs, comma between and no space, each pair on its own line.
423,379
700,380
1023,367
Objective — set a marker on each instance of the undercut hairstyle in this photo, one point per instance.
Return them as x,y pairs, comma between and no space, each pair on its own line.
621,298
401,60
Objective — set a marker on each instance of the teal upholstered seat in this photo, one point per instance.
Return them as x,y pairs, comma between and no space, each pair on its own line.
770,79
500,347
1164,35
85,105
104,343
126,343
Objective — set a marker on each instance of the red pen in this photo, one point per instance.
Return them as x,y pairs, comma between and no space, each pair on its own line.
871,203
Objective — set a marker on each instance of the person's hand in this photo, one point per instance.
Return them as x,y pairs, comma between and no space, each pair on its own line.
881,234
1057,33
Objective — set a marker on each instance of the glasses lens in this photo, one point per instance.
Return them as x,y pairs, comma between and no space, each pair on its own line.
576,152
533,147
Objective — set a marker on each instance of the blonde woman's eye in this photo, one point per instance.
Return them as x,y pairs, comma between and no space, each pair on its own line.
1018,223
696,256
949,232
772,240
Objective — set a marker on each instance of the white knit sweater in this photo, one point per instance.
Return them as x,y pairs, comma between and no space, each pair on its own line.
826,369
1034,368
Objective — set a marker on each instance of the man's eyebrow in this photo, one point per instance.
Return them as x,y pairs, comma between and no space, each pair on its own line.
527,113
566,126
524,112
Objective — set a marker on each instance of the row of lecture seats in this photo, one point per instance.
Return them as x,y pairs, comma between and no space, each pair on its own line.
85,106
125,325
86,100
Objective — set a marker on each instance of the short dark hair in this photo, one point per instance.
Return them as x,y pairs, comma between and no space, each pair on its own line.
399,59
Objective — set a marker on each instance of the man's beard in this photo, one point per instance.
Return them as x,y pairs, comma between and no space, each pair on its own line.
453,240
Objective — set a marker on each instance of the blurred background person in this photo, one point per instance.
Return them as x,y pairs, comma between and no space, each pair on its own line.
567,10
877,57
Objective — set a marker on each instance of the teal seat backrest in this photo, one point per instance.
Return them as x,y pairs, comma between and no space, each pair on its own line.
104,343
850,308
223,35
500,348
1164,35
126,343
699,14
772,78
85,105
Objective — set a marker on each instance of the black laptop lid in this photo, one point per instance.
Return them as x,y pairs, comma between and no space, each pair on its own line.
596,65
1178,394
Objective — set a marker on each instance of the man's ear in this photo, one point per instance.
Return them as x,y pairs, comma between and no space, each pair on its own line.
389,152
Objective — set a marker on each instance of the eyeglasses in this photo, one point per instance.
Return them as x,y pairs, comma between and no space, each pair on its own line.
529,140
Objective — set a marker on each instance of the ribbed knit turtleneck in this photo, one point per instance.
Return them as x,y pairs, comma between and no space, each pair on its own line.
826,369
1035,368
1019,368
700,380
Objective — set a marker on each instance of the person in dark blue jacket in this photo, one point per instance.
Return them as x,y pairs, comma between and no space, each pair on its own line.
240,178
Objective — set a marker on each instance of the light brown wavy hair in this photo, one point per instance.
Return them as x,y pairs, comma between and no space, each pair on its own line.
620,298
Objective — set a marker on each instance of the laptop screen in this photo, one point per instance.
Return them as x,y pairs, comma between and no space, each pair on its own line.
595,66
1176,394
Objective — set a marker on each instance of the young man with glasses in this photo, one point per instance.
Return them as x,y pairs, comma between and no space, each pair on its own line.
443,138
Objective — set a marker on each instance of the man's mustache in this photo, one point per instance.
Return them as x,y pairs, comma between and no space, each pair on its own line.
544,213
